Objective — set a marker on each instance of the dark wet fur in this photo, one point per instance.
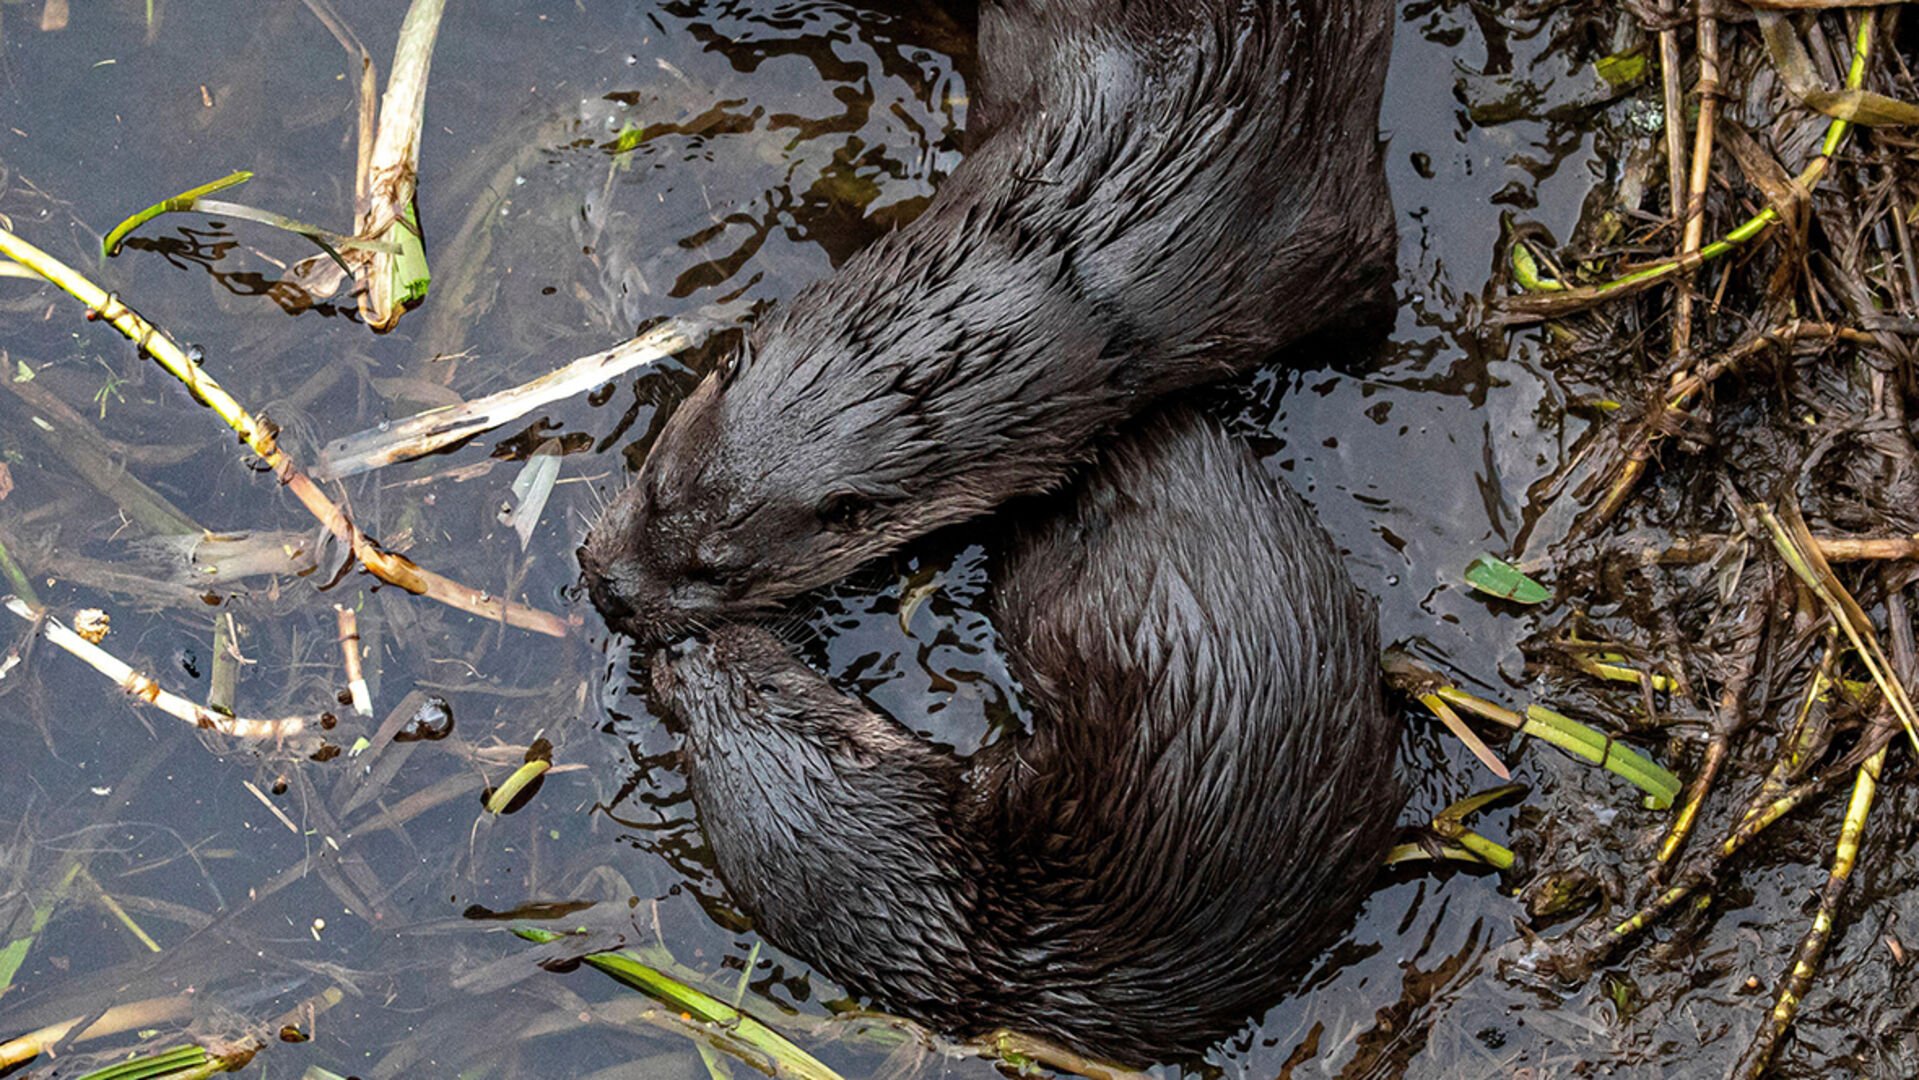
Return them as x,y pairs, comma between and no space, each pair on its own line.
1159,195
1208,785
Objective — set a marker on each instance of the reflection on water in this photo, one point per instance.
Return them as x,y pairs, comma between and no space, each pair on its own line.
588,168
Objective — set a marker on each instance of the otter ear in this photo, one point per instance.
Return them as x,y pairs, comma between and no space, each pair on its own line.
844,511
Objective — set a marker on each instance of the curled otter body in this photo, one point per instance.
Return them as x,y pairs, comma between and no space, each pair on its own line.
1207,786
1158,194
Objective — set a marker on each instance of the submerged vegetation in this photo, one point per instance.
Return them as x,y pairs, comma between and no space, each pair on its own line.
1712,572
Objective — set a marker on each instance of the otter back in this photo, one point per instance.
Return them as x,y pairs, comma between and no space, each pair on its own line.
1162,194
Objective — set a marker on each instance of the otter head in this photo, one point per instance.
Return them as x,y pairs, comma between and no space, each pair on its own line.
757,489
941,371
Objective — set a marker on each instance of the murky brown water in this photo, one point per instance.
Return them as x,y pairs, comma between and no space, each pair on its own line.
779,137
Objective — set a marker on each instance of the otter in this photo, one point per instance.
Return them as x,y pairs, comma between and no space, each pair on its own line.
1207,786
1158,194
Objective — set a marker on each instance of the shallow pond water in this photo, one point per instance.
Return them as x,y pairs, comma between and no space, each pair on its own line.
587,168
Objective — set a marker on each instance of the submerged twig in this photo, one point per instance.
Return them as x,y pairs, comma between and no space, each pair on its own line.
16,578
224,682
74,439
1697,871
1678,400
1809,729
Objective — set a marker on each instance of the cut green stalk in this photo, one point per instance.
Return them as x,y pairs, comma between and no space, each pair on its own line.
1450,825
1405,853
1578,739
1605,669
110,246
1489,851
700,1006
1460,844
504,795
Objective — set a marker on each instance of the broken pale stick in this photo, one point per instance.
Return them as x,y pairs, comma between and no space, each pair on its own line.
141,687
436,429
350,654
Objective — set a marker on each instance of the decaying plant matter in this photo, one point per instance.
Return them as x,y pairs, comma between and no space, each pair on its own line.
1743,520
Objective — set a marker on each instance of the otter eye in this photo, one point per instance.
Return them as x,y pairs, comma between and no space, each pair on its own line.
767,689
843,511
713,553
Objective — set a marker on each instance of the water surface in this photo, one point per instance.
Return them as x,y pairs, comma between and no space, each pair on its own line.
764,142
